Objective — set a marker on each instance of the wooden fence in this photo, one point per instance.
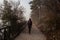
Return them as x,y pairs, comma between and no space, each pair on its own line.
9,32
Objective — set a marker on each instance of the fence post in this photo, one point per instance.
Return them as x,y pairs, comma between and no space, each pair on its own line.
5,36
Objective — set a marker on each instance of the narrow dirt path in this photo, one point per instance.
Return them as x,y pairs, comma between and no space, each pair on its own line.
35,35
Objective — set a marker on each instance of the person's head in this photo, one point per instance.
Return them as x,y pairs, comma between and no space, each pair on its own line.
30,19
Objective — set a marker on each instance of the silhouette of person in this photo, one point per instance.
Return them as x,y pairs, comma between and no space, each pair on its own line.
29,25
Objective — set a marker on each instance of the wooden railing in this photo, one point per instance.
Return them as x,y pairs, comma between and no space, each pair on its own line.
9,32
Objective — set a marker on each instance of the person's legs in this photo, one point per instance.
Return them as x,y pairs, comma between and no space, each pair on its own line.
29,30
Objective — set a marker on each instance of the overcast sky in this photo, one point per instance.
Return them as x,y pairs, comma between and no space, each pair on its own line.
25,4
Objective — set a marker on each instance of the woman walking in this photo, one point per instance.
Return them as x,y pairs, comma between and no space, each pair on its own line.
29,25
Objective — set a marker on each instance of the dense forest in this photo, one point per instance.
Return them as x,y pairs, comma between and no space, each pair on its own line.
12,19
46,16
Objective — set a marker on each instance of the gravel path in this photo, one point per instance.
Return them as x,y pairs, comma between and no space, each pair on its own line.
35,35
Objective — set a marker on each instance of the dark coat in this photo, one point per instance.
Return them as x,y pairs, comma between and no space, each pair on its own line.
29,23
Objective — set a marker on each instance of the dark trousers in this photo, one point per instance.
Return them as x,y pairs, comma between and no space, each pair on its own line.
29,29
